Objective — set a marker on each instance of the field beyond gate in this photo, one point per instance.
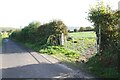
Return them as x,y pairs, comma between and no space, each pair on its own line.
83,42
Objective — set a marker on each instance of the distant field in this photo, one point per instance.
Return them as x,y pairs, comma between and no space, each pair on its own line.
5,35
81,41
82,34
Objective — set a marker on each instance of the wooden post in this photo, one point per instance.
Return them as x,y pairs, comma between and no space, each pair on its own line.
99,39
62,39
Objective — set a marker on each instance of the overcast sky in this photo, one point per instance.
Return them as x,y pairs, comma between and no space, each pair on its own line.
16,13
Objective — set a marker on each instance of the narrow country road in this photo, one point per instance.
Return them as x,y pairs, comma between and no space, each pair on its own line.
17,62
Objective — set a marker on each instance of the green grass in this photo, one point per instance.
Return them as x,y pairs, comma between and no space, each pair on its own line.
5,35
96,66
93,65
81,41
82,34
73,51
70,55
59,50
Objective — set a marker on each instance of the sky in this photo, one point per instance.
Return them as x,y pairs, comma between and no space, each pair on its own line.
16,13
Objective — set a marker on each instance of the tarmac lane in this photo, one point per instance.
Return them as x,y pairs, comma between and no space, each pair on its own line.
18,63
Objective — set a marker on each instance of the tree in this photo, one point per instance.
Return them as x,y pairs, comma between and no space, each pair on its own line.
104,19
54,28
41,34
81,29
75,30
89,28
32,30
69,31
28,33
9,32
16,35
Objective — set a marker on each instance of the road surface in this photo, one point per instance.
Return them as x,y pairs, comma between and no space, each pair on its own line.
18,62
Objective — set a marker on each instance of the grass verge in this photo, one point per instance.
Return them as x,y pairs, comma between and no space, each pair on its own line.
70,58
98,67
71,55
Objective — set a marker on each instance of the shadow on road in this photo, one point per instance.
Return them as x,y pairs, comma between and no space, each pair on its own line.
32,70
26,70
43,70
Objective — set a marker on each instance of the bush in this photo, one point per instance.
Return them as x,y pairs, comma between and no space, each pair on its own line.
106,20
50,32
96,65
35,33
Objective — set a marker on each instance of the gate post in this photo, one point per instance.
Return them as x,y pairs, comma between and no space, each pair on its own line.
62,39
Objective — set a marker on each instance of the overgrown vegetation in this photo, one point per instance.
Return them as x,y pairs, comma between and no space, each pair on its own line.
105,63
45,39
4,34
59,50
41,34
